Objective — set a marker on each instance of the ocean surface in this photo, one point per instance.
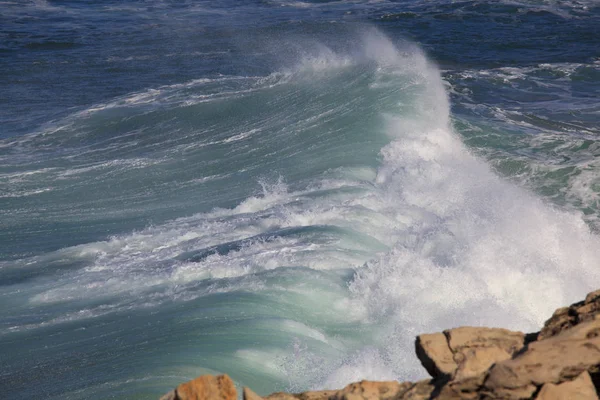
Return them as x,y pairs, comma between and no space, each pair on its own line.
286,191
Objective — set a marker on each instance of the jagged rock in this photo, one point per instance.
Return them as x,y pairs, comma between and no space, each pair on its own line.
466,352
318,395
478,360
368,390
580,388
364,390
555,360
435,355
313,395
567,317
477,349
281,396
250,395
205,387
172,395
421,390
466,389
470,337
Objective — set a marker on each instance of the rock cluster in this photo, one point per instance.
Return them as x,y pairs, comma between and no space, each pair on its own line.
204,387
562,361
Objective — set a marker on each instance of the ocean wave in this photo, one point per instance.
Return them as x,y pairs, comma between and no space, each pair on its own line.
430,238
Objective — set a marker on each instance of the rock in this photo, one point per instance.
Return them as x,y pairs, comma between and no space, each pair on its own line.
470,337
477,349
420,391
250,395
567,317
205,387
281,396
317,395
466,352
555,360
580,388
313,395
172,395
435,355
503,383
364,390
478,360
368,390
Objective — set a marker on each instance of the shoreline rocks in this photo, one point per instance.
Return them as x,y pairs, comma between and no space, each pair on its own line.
562,361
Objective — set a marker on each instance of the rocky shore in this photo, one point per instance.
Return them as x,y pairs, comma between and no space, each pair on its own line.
562,361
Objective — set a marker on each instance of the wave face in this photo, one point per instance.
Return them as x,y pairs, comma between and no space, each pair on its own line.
295,209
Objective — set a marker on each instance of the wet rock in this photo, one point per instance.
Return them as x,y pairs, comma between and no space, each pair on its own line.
172,395
248,394
476,361
281,396
317,395
313,395
558,359
567,317
477,349
419,391
435,355
368,390
466,352
474,337
205,387
581,388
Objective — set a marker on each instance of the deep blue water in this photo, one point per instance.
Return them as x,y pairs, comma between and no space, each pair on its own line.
285,191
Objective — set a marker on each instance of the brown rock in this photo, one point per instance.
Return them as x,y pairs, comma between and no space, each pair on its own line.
435,355
555,360
316,395
581,388
205,387
469,337
368,390
476,349
592,297
467,389
250,395
567,317
421,390
558,322
503,382
172,395
451,392
467,351
281,396
478,360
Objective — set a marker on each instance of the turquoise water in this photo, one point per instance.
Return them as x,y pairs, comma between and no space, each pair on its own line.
287,192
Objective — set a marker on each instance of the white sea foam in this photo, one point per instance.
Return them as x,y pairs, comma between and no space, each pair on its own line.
475,249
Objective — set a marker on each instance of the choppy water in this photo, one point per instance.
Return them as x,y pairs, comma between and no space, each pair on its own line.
286,191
